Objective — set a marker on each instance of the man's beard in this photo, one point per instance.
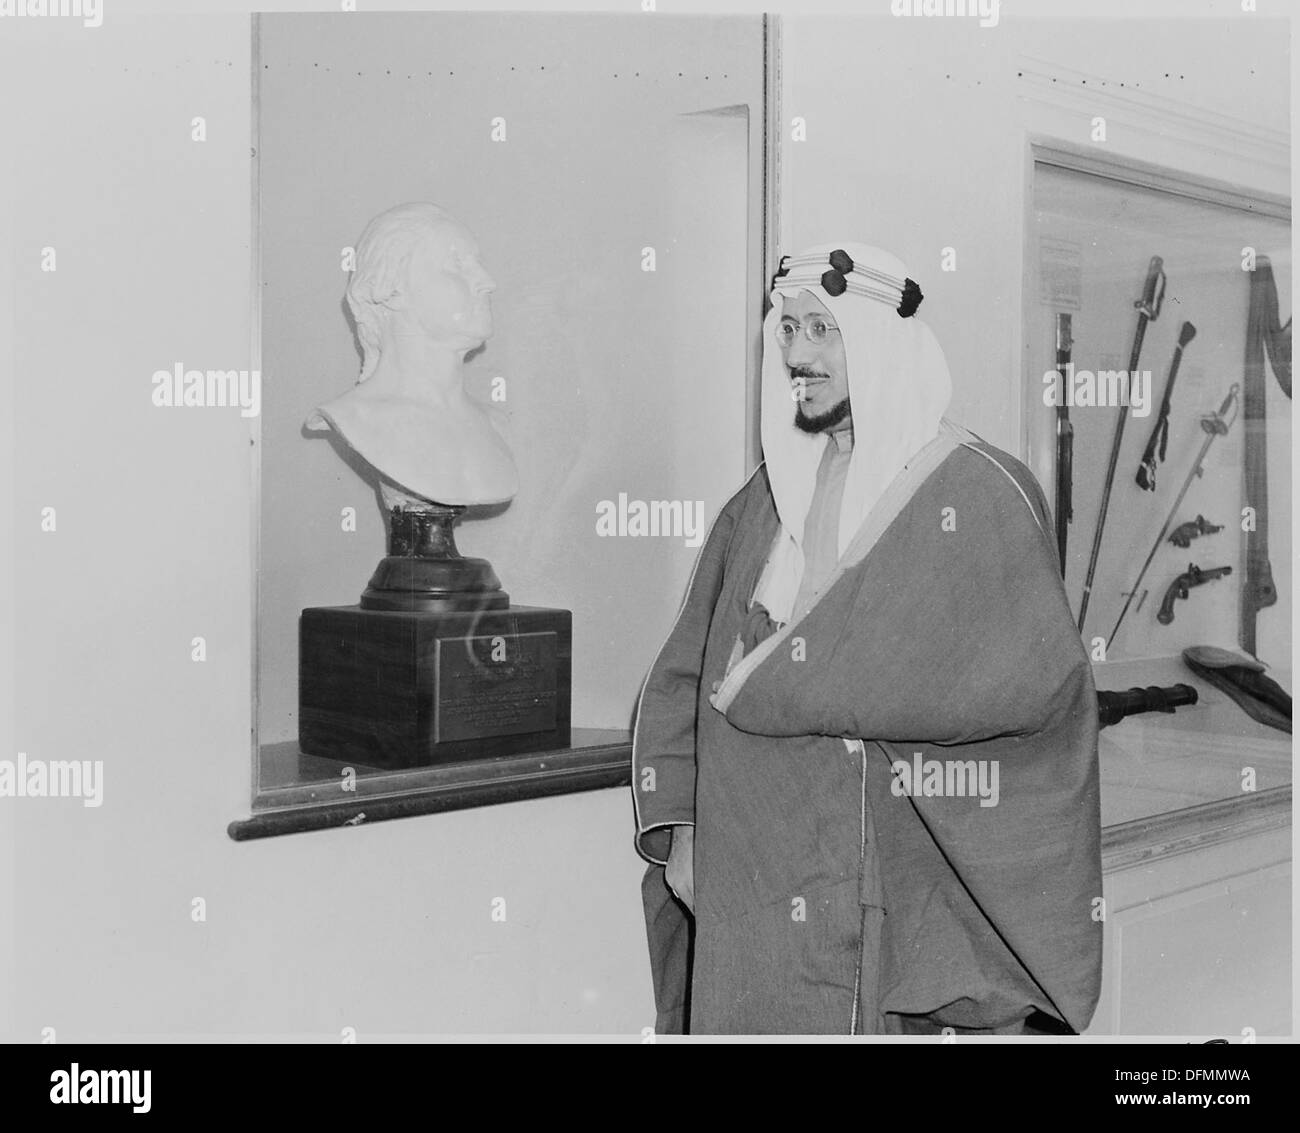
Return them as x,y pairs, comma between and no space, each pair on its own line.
821,421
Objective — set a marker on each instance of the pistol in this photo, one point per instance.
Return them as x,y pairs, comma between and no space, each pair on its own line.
1182,586
1184,533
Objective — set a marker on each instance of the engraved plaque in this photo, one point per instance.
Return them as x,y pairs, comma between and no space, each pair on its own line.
412,688
499,685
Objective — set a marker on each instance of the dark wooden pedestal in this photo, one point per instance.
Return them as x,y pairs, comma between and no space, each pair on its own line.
396,689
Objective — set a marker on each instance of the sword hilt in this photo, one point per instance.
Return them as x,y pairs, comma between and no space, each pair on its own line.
1153,292
1218,421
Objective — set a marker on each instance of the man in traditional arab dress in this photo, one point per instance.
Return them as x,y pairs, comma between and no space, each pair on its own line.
865,759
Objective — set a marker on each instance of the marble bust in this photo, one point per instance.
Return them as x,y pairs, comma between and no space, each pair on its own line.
420,298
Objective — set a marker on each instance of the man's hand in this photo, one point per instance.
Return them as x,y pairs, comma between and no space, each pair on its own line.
679,873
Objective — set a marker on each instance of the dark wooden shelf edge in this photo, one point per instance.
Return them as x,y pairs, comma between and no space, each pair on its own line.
1123,845
367,811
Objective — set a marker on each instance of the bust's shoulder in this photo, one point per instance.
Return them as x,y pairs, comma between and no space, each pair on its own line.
360,408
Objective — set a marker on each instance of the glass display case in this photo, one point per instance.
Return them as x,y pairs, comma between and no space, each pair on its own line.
1157,407
611,175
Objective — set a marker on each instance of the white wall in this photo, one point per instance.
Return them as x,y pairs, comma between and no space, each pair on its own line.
918,137
386,929
916,140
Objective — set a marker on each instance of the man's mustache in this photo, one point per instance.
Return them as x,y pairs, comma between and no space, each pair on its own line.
807,373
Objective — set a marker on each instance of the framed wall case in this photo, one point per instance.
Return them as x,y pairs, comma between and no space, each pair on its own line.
1157,402
605,169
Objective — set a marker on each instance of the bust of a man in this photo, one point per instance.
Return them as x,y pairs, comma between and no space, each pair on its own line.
420,299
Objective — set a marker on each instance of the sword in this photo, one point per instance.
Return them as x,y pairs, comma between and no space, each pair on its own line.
1146,474
1064,441
1148,308
1215,424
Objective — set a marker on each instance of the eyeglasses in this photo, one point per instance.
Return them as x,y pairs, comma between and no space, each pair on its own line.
815,330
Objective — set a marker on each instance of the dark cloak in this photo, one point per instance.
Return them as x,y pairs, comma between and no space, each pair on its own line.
827,901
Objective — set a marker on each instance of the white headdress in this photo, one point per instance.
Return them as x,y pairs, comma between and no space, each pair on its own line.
899,389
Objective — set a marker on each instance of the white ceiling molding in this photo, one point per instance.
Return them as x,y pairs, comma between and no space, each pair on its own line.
1167,119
